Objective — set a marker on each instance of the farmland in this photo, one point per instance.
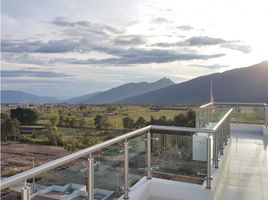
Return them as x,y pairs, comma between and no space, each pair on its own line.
75,135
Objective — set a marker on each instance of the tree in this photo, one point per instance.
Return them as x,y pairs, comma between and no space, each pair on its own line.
191,118
82,123
54,138
140,122
24,115
180,120
15,128
161,121
128,123
10,128
54,120
61,120
73,122
82,107
67,121
101,122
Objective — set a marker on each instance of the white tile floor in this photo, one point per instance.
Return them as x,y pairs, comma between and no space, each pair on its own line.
245,176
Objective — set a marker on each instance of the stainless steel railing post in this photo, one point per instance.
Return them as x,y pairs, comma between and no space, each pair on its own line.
229,127
149,155
221,140
90,183
226,131
266,115
126,160
236,109
33,184
25,192
216,153
208,178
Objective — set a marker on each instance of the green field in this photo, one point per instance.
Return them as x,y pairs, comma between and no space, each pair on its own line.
78,136
120,111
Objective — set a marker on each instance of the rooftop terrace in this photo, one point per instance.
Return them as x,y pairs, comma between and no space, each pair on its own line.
221,158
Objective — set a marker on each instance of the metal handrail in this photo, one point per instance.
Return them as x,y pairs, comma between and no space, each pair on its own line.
66,159
186,129
6,182
266,115
239,104
265,105
216,127
206,105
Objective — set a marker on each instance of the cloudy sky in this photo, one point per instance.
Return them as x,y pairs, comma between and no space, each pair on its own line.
66,48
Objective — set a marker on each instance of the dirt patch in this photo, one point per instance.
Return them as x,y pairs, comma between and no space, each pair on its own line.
16,158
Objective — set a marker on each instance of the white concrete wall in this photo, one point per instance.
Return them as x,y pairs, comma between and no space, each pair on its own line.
265,131
160,189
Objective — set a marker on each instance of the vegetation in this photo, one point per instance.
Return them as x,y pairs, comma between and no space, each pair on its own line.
101,122
24,115
10,128
128,123
76,127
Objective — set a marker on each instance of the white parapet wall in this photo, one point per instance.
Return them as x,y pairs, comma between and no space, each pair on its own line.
265,131
160,189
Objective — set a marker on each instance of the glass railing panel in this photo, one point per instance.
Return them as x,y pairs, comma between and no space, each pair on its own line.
179,156
137,159
208,117
109,171
250,115
68,181
246,114
13,192
202,118
266,115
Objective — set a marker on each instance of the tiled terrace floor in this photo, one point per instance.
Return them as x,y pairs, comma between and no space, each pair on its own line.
245,176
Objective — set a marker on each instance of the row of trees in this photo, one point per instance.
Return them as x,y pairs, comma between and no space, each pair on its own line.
10,124
186,120
72,122
25,116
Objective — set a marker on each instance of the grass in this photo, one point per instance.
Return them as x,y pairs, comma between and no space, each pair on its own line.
89,113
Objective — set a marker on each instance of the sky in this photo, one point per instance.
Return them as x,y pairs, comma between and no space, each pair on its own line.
67,48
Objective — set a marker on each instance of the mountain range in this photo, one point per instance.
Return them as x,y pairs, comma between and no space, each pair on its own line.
16,96
248,84
122,92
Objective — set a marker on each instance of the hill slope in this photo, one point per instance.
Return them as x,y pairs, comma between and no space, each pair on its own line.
127,90
249,84
15,96
80,99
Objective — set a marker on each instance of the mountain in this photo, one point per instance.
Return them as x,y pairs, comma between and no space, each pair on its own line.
15,96
249,84
127,90
80,99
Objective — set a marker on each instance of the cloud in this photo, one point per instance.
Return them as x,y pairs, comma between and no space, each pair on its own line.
202,41
62,46
52,46
160,20
142,56
32,73
25,58
119,56
90,26
208,41
19,46
215,66
193,41
236,46
130,40
185,28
